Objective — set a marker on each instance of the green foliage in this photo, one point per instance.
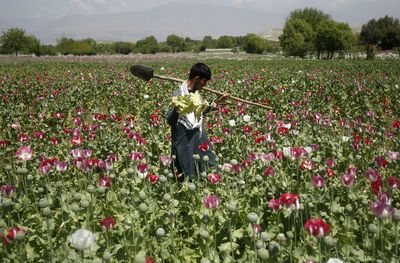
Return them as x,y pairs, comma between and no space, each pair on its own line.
68,46
254,44
176,43
114,112
123,47
297,38
383,33
312,16
225,42
148,45
14,41
332,36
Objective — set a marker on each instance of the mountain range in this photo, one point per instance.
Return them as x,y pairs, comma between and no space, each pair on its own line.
183,19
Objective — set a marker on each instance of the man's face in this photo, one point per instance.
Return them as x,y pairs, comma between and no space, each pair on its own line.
200,83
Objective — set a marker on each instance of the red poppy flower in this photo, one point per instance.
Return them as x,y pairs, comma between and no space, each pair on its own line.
108,222
317,227
152,178
204,147
282,131
290,199
13,232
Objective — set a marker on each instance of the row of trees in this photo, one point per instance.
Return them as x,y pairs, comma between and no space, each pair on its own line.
16,41
311,31
307,32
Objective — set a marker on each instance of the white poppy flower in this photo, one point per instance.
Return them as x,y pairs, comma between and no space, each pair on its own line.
82,239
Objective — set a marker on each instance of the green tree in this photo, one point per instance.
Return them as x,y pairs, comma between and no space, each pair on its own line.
312,16
383,33
33,45
176,43
207,42
123,47
254,44
65,45
148,45
14,40
297,38
225,42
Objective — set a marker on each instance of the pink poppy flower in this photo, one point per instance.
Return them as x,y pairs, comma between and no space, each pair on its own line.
274,204
104,181
211,202
24,153
165,160
214,178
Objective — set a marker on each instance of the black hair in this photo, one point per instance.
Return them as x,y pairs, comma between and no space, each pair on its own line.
201,70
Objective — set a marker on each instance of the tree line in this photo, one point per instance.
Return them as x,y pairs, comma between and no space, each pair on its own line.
307,32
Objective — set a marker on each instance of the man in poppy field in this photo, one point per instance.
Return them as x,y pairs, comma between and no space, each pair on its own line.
191,147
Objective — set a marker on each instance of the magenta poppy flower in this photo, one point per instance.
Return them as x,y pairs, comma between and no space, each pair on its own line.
61,166
214,178
142,167
104,165
23,138
381,161
372,174
382,209
136,156
317,227
104,181
7,190
108,222
269,171
393,182
38,134
393,155
24,153
330,163
318,181
211,202
348,179
274,204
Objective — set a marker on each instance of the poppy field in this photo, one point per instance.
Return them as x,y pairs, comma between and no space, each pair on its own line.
85,163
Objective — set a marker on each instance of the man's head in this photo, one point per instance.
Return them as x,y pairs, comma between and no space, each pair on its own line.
199,75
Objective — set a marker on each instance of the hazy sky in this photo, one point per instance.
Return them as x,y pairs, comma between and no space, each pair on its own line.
354,12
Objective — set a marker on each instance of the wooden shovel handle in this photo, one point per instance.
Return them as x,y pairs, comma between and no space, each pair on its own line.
217,92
